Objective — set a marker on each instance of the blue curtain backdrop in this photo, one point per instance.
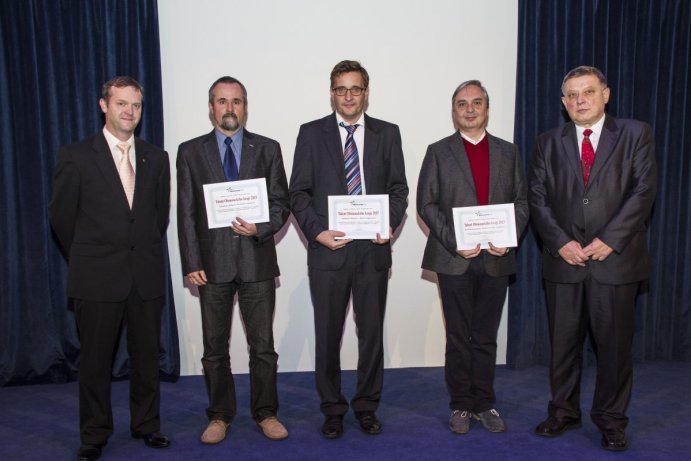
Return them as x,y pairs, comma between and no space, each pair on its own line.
643,48
54,57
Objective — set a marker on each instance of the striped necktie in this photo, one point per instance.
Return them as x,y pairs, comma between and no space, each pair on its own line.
352,162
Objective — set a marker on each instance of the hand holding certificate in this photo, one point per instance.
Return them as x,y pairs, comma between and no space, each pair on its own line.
361,217
483,224
225,201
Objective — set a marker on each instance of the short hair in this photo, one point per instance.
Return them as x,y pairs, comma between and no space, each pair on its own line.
229,81
349,66
580,71
121,81
468,83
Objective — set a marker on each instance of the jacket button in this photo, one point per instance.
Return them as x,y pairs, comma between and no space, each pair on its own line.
132,248
585,201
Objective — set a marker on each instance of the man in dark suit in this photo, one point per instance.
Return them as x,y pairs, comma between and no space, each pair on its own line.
591,190
109,210
241,259
339,267
470,168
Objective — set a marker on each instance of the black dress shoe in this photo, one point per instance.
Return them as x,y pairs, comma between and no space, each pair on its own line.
614,440
553,427
89,452
369,422
333,426
154,439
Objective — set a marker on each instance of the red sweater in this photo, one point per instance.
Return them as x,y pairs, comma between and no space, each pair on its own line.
478,156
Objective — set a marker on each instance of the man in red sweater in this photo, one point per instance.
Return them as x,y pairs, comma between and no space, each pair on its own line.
470,168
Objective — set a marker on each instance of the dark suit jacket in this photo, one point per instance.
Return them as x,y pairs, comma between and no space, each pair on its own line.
222,254
446,181
108,246
318,172
614,207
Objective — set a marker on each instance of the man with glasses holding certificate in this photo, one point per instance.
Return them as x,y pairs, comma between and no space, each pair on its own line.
347,157
471,168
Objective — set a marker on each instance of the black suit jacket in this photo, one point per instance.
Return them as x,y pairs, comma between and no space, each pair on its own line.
108,246
446,181
222,254
614,207
318,171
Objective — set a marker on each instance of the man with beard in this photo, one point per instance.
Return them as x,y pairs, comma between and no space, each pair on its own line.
242,259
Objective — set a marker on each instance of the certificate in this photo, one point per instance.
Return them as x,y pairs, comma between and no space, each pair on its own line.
484,224
360,216
226,201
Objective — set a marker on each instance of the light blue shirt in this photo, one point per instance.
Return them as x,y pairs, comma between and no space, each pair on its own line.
236,145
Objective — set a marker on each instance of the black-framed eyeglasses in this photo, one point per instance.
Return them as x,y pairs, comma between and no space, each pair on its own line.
355,90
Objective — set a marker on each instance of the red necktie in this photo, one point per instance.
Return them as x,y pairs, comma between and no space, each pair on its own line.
587,155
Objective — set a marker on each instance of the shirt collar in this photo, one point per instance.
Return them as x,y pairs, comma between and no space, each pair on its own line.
360,121
475,141
113,141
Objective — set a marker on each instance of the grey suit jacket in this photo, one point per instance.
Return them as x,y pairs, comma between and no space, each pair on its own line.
446,181
110,247
318,172
222,254
614,207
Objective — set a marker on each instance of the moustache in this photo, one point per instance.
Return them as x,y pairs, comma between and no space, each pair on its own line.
230,114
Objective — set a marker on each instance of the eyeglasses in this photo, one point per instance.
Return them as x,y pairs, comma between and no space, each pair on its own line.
355,90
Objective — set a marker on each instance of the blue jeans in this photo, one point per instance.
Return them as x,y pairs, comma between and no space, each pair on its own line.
257,301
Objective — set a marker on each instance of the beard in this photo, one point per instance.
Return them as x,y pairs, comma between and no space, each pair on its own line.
229,122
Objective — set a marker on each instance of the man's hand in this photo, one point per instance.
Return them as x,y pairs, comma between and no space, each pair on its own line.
328,239
381,241
468,254
197,278
598,250
573,254
497,251
242,227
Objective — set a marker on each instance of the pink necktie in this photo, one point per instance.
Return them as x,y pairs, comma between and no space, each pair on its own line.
587,155
126,171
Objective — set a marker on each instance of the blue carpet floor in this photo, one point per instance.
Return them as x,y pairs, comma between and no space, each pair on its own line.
40,422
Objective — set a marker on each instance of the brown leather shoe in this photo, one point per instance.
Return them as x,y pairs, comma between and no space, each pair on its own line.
215,432
273,428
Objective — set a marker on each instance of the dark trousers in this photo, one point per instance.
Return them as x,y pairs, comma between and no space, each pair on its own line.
472,304
257,301
100,325
608,312
331,291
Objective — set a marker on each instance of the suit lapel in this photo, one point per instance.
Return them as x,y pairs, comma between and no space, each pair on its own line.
143,169
249,157
371,146
212,157
104,160
496,167
460,157
333,148
608,138
570,148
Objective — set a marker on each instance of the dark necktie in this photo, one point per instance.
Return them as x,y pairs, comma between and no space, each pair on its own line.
587,155
352,162
230,167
